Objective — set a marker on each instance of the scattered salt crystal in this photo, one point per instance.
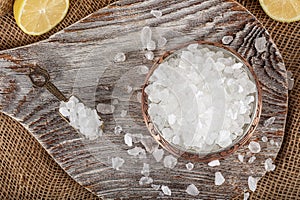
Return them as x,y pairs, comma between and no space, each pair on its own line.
128,139
246,195
269,166
123,113
129,89
145,180
214,163
149,55
120,57
146,169
118,130
105,108
115,102
143,69
254,147
146,35
161,42
277,144
252,183
151,46
158,154
264,139
149,143
227,39
135,151
252,159
189,166
241,158
82,118
260,44
272,142
192,190
269,121
291,80
156,13
166,190
219,179
170,161
117,162
155,187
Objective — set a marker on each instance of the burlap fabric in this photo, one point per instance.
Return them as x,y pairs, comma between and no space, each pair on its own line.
28,172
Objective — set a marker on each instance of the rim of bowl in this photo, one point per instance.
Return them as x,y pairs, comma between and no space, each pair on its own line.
222,152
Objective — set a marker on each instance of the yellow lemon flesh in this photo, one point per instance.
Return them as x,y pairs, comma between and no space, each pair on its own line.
36,17
282,10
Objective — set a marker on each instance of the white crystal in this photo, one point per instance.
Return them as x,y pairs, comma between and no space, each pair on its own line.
120,57
254,147
260,44
129,89
219,179
291,81
136,151
170,161
272,142
227,39
64,111
166,190
214,163
241,158
146,169
156,13
117,162
105,108
151,46
118,130
246,195
269,166
189,166
252,183
123,113
269,121
145,180
252,159
155,187
149,55
158,154
161,42
192,190
143,69
264,139
146,35
149,143
128,139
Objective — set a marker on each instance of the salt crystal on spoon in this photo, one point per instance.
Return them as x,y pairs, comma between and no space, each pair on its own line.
192,190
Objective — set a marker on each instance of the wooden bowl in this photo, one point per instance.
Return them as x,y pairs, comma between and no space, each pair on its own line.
222,152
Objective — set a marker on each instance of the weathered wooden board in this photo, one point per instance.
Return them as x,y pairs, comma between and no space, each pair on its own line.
80,62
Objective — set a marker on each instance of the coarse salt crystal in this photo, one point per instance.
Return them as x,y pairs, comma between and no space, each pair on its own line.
170,161
151,46
260,44
219,179
128,139
264,139
64,111
227,39
269,166
118,130
146,169
252,159
136,151
272,142
117,162
158,154
254,147
189,166
214,163
145,180
161,42
166,190
120,57
192,190
155,187
149,55
241,158
252,183
149,143
146,35
156,13
269,121
246,195
105,108
123,113
143,69
129,89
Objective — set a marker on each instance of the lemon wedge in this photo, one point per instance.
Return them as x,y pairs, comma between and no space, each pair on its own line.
282,10
36,17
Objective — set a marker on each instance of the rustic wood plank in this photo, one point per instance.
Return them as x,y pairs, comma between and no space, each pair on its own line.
80,62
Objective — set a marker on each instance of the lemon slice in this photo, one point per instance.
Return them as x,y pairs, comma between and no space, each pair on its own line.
36,17
282,10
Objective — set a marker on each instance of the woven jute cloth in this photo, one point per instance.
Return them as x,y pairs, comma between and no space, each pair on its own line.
28,172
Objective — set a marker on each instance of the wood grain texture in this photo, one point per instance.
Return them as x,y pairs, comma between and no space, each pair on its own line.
80,62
